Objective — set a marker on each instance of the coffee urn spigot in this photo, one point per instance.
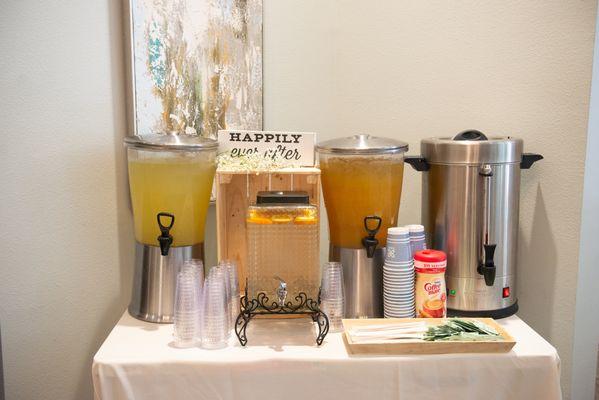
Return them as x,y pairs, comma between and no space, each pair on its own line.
487,268
370,242
165,239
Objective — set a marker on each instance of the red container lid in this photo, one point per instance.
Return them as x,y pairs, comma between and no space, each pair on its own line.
430,256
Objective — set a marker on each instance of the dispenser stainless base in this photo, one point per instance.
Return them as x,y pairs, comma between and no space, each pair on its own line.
154,280
363,280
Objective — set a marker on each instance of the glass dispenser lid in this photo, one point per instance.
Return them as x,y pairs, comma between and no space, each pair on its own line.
362,144
172,142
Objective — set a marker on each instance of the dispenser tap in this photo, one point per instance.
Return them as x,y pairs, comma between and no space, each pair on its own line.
165,239
487,268
281,291
370,242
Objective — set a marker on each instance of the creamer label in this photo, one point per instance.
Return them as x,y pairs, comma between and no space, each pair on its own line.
431,299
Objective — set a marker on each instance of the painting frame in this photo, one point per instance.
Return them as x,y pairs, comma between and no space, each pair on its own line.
133,107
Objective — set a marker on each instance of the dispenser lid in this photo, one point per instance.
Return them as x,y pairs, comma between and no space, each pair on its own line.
282,197
472,148
172,142
362,144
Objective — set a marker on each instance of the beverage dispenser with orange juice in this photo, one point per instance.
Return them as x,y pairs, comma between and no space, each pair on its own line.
361,182
170,179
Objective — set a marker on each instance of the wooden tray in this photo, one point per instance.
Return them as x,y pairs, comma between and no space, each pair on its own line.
421,346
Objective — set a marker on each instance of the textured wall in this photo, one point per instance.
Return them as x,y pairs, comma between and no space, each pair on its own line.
414,69
585,377
66,230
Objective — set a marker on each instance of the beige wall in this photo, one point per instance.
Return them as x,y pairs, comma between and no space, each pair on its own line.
414,69
66,229
396,68
585,374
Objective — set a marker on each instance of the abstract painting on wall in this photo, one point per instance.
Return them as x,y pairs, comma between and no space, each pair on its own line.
197,65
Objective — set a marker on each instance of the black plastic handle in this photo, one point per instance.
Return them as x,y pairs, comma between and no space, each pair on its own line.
528,159
370,242
418,163
165,239
375,230
488,269
471,134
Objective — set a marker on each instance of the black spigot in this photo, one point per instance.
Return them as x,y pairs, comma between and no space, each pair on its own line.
165,239
370,242
487,269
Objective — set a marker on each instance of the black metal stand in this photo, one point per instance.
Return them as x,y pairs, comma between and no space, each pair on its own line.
261,305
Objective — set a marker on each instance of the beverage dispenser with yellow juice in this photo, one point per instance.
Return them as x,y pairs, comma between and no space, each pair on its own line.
170,179
361,183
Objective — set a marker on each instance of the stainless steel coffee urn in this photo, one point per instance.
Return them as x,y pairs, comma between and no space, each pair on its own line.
470,202
361,182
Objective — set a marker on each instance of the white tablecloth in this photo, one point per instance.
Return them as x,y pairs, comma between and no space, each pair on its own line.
281,361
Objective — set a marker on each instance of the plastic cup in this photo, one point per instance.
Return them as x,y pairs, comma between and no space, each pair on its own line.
222,273
187,307
230,267
333,295
215,316
235,305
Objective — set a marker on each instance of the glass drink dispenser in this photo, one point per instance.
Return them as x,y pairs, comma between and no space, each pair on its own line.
170,179
283,245
361,182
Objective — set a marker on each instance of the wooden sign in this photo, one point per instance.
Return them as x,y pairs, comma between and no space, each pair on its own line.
287,148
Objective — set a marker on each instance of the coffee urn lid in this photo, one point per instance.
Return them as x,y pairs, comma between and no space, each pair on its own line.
362,144
472,148
172,142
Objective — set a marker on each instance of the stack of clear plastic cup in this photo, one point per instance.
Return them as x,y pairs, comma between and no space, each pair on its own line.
223,273
398,275
215,315
231,267
332,295
417,238
187,305
197,266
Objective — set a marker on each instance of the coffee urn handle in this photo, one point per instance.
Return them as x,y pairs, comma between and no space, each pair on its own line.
528,159
419,163
487,266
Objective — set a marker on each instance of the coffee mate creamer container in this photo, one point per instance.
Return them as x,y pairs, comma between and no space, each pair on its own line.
430,283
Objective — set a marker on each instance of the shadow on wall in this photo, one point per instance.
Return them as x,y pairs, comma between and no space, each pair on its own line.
537,268
124,239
